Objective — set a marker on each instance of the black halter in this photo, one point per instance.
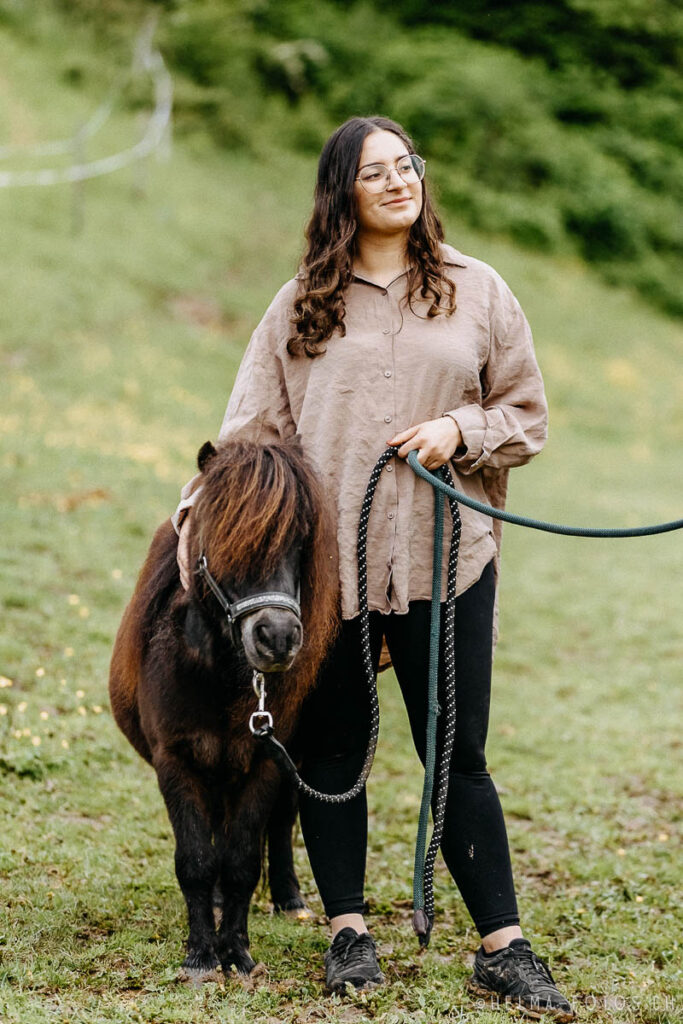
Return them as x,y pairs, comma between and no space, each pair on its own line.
235,610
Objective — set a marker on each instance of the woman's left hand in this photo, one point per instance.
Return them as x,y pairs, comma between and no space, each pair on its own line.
436,440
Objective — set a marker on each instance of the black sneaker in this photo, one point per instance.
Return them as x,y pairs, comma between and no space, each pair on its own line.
353,958
515,975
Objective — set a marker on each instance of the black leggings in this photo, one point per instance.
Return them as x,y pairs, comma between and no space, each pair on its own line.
334,737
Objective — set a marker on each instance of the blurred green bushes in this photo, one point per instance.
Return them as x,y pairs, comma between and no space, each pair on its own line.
629,40
556,123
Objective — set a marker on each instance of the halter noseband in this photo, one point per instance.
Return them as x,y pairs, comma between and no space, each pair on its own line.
235,610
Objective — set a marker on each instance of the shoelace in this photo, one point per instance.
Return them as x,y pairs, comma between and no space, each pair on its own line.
355,952
531,962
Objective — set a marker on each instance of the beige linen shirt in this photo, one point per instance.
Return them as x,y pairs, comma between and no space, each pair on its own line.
395,368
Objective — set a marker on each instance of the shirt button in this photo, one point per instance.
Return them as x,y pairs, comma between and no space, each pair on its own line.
387,419
386,331
390,469
387,373
390,515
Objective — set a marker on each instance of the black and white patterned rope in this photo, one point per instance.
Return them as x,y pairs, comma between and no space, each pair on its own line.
424,871
449,709
276,749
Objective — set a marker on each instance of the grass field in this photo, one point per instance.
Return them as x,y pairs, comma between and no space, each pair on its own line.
118,348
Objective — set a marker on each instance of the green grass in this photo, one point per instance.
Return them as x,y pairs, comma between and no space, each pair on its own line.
118,348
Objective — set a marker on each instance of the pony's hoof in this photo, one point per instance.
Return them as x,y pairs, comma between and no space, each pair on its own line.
198,976
257,978
299,913
240,961
295,909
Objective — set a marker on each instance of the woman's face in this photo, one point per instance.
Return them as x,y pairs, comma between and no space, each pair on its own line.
397,207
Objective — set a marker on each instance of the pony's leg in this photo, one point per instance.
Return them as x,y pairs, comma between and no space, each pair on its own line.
196,863
240,847
284,885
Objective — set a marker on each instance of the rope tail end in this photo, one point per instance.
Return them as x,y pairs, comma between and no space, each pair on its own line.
422,926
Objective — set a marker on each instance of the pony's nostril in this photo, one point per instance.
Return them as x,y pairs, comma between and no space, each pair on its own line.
268,637
262,634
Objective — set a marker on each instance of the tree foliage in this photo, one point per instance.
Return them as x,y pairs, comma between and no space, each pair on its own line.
555,123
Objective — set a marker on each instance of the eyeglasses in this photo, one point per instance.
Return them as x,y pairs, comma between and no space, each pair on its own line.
375,177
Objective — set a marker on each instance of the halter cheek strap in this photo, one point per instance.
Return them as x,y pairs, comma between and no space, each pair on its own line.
235,610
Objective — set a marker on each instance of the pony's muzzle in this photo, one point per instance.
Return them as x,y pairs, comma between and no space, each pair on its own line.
272,638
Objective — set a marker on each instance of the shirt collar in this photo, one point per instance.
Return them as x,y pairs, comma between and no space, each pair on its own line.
453,257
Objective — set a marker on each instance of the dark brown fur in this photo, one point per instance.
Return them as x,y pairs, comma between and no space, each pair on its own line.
181,688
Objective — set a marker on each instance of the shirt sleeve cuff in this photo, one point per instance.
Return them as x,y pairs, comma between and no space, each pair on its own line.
183,508
471,421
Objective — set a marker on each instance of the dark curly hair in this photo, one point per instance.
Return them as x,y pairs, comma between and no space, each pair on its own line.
327,266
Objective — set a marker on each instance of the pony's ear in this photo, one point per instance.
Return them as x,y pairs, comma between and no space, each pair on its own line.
204,455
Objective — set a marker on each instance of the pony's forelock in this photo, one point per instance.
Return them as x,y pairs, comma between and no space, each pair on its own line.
250,512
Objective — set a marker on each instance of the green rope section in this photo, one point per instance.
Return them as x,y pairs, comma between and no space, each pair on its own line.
536,524
432,713
421,921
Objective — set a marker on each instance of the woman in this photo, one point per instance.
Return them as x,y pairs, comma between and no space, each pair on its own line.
389,336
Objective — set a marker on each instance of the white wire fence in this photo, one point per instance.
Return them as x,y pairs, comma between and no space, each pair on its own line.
155,135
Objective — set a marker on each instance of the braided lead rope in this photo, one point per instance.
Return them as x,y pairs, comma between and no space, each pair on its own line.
265,734
423,877
537,524
421,920
442,482
449,649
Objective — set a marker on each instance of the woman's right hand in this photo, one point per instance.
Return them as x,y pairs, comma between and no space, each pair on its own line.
183,554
